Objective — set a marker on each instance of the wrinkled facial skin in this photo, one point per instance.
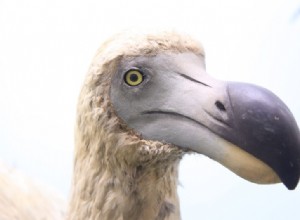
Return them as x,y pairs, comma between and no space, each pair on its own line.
244,127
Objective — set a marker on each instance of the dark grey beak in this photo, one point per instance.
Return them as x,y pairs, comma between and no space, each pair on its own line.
265,128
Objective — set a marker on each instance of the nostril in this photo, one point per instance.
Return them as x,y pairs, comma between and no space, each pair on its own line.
220,106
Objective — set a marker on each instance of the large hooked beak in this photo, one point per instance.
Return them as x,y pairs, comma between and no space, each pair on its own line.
264,127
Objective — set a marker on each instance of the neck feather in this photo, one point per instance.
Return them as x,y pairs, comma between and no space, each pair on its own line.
122,189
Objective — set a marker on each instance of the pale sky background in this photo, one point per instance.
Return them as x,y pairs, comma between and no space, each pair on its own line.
47,46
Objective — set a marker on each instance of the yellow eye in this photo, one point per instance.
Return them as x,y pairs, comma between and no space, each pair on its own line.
134,77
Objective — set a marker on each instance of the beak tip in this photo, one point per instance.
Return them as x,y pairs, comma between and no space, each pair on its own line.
269,128
291,177
292,186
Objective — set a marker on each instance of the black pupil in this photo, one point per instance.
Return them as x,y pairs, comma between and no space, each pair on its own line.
133,77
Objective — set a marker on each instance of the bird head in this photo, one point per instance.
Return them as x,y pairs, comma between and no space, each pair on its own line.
147,99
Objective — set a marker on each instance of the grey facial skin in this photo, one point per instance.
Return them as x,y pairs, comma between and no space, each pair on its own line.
244,127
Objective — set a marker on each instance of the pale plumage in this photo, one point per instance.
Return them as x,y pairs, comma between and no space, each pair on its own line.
125,177
120,175
24,199
131,132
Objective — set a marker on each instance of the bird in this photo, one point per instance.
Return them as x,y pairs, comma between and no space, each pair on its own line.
145,103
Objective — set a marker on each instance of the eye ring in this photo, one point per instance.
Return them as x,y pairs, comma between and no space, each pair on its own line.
133,77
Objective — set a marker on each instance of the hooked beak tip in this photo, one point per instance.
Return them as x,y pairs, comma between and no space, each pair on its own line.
266,128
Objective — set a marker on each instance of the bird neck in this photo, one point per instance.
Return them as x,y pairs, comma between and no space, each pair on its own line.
124,192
